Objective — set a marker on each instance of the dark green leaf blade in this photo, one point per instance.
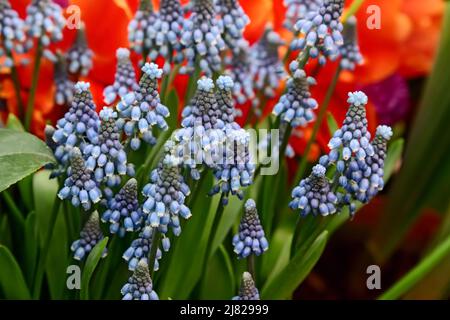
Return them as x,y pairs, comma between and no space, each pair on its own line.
89,268
12,281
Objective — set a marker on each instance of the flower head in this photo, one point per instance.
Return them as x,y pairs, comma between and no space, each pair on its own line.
233,22
80,185
350,54
298,9
79,56
139,285
225,101
248,290
202,38
123,210
89,237
321,31
124,79
251,238
64,86
45,21
141,110
296,105
137,28
314,194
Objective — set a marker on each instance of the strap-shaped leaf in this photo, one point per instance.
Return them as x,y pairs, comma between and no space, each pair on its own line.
91,264
12,282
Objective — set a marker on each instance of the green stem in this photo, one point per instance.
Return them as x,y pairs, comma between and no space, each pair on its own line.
34,82
251,265
418,272
16,83
317,124
37,280
152,254
68,220
218,216
352,10
16,214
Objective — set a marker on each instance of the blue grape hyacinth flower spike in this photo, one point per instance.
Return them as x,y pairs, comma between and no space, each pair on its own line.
248,290
139,286
79,57
89,237
350,53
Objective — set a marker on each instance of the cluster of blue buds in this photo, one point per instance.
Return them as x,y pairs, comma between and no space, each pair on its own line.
79,56
225,101
139,285
233,22
106,156
239,69
45,21
248,290
79,125
140,248
80,185
137,28
123,211
202,39
297,10
165,33
267,69
142,109
251,238
165,196
296,105
12,32
350,54
314,194
64,86
89,237
321,31
124,79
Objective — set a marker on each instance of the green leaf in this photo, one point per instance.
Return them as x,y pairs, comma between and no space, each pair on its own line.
14,123
31,246
393,156
218,282
283,285
332,123
91,263
5,231
26,191
173,102
12,282
21,154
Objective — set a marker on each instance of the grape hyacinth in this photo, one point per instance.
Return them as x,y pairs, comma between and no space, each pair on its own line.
251,238
225,102
142,109
123,210
45,21
166,33
140,248
89,237
350,54
78,126
80,185
202,39
296,105
106,157
139,285
165,196
248,290
321,31
64,86
138,36
124,79
79,56
314,194
12,33
233,22
297,10
267,68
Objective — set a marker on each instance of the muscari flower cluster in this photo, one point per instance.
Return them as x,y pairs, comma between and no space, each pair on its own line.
321,31
296,105
79,56
233,22
248,290
45,21
137,28
350,54
202,39
124,79
90,235
165,196
141,110
123,211
12,32
64,86
79,126
80,185
106,156
251,238
297,10
139,286
140,248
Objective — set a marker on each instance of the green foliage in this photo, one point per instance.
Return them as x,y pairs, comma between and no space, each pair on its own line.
12,282
91,264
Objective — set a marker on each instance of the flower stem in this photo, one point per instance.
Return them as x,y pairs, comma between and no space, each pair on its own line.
16,83
352,10
251,265
322,112
34,82
152,255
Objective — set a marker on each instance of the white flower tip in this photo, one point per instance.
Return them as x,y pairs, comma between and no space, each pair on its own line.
122,53
384,131
205,84
357,98
225,82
